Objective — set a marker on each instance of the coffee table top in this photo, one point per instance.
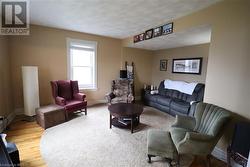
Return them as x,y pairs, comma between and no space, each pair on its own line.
125,109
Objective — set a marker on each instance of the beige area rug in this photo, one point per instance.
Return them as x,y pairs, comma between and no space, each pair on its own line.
87,141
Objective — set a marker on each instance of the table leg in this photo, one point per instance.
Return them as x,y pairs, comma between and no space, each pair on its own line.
132,120
110,121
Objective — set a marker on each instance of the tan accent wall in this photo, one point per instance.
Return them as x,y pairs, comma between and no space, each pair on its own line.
228,71
143,63
175,53
46,48
6,106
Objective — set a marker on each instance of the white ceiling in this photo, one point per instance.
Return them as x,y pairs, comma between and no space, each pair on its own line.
113,18
194,36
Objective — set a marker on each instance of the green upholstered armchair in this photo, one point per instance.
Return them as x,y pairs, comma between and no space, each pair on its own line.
198,135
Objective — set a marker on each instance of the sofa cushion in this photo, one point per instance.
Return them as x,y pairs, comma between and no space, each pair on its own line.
180,106
152,98
164,100
119,99
118,92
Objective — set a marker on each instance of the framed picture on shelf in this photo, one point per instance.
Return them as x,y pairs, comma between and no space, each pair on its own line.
141,36
157,31
167,29
187,66
136,38
163,65
149,34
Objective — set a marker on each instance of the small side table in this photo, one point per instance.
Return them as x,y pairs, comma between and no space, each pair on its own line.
13,153
239,159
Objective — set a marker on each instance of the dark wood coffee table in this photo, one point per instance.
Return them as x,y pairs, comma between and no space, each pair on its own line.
125,115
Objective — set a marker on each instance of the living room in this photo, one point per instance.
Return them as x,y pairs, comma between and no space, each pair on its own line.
216,31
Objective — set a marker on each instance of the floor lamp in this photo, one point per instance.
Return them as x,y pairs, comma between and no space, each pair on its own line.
30,90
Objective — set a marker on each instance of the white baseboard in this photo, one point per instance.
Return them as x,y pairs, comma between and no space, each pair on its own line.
220,154
19,111
94,102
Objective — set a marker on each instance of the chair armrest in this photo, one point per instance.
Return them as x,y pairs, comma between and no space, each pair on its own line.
198,136
196,143
130,98
184,122
79,96
60,101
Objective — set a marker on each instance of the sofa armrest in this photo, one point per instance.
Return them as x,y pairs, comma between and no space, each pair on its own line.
60,101
184,122
79,96
193,105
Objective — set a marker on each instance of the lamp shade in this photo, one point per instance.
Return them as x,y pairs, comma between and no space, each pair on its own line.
30,89
123,74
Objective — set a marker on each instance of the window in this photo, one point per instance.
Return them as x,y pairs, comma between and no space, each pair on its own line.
82,62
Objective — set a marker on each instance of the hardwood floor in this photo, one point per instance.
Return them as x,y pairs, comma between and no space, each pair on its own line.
27,137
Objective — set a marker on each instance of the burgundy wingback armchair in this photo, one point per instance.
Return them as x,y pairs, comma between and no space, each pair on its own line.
66,93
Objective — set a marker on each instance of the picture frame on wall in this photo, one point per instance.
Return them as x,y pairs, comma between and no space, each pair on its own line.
148,34
163,65
157,31
167,28
187,66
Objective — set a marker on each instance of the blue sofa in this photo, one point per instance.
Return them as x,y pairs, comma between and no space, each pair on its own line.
172,101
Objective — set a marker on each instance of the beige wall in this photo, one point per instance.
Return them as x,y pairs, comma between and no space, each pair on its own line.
228,73
228,77
6,106
46,48
143,63
183,52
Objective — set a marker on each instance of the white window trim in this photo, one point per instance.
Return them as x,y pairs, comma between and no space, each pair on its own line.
69,41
